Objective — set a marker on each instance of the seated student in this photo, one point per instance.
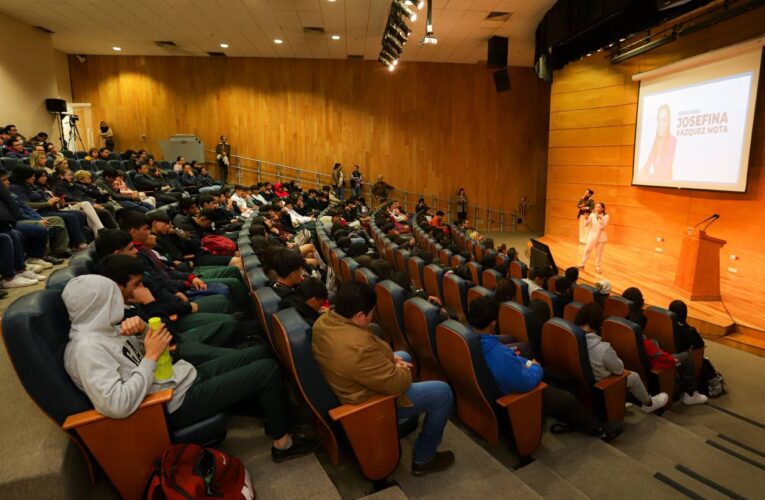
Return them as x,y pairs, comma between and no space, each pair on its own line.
358,365
187,209
107,184
572,273
66,188
114,361
289,271
400,278
606,362
635,313
437,221
689,337
602,291
308,298
513,373
145,183
381,268
564,290
537,277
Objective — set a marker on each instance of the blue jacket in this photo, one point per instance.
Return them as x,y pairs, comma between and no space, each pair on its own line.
509,369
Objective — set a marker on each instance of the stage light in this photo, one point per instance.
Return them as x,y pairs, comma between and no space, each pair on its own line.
278,41
399,24
117,49
393,53
416,3
335,37
224,46
405,11
389,38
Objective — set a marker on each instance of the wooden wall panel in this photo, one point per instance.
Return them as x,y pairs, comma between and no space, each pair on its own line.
428,128
592,127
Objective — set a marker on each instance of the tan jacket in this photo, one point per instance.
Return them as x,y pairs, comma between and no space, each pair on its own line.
356,363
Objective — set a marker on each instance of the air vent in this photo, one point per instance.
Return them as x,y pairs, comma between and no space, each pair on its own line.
216,54
313,30
43,29
165,43
355,56
498,16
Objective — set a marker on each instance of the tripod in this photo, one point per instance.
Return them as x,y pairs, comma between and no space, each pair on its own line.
74,133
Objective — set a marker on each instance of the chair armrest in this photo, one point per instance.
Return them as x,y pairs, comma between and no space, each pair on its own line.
508,399
611,380
341,412
90,416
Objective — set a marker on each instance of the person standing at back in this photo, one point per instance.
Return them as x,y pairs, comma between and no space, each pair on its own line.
107,136
223,155
357,181
338,179
462,204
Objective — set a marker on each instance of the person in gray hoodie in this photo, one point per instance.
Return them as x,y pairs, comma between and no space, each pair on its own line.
606,362
113,361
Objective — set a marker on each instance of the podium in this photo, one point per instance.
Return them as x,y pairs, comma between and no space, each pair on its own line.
698,270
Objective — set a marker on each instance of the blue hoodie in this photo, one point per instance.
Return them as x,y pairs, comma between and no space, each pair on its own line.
509,370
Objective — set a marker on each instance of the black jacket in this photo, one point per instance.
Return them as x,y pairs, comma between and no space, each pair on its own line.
146,183
9,211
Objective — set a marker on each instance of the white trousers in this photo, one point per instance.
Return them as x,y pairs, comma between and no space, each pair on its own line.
598,246
85,207
584,230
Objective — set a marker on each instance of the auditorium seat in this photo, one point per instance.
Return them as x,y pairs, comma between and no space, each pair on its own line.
458,260
250,262
518,270
60,277
266,305
517,321
348,266
432,277
569,312
521,292
663,327
627,340
616,305
475,272
335,255
564,349
548,298
401,258
477,291
390,248
584,294
415,265
390,313
455,295
36,331
371,427
445,256
502,260
480,405
489,278
256,278
420,320
550,283
366,276
478,250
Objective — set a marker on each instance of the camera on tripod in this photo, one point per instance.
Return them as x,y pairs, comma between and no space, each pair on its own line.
72,117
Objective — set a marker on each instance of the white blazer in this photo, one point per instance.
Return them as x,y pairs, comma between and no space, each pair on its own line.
597,228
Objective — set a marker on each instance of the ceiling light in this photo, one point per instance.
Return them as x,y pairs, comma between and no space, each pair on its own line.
278,41
391,68
588,55
418,3
335,37
224,46
399,24
405,11
117,49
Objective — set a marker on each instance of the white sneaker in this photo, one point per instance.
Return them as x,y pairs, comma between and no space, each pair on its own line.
657,403
34,268
31,275
18,281
695,399
39,262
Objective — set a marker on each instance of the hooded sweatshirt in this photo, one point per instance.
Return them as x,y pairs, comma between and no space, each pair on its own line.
108,367
603,358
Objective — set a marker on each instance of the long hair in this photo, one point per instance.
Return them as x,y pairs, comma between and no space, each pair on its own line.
602,205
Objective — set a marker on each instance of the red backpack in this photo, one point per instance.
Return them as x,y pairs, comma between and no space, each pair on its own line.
219,245
188,471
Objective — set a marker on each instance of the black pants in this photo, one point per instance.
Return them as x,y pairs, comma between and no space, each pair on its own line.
564,407
223,172
237,375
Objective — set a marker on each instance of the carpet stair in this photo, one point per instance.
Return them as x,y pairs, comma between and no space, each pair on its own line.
548,484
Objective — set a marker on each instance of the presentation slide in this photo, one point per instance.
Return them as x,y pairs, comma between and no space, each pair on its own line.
694,127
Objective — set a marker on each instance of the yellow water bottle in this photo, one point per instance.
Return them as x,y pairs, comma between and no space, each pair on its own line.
164,368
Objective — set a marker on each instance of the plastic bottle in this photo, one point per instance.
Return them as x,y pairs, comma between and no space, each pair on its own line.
164,368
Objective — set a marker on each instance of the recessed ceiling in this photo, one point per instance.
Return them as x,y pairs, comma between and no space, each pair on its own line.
249,27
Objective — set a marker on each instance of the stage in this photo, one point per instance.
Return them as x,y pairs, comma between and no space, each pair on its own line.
654,273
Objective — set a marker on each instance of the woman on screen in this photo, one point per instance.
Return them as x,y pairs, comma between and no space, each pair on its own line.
597,237
658,166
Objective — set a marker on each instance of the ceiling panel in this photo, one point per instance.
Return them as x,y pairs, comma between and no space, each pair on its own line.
250,26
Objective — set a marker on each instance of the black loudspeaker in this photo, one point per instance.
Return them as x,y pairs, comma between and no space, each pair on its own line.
55,105
502,80
497,52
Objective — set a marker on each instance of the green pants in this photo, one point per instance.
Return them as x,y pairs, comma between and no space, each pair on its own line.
213,304
237,375
190,321
58,238
208,259
216,334
232,278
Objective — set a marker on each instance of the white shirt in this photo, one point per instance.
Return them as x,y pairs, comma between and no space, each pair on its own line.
298,219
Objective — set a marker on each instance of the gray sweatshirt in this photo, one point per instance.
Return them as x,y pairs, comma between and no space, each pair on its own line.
603,358
108,367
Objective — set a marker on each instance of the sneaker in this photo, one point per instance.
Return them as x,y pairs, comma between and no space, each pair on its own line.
31,275
657,403
300,447
18,281
440,462
610,431
39,262
35,268
695,399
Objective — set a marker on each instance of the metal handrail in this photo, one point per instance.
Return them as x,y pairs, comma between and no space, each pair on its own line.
483,217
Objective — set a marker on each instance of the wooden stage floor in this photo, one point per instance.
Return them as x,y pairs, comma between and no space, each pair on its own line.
654,273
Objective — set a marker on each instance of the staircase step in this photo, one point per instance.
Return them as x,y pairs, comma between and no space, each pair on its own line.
599,470
662,445
392,493
710,422
744,342
475,473
547,483
300,478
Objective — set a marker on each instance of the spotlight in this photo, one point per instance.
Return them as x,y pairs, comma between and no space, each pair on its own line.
224,46
117,49
390,39
399,24
416,3
405,11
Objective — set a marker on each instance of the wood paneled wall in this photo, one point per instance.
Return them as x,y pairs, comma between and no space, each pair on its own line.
593,110
428,128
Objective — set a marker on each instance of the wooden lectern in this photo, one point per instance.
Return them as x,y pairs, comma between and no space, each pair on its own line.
698,270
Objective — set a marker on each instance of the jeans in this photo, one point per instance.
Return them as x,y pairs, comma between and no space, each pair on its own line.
35,238
685,373
434,398
356,191
11,254
74,222
339,192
